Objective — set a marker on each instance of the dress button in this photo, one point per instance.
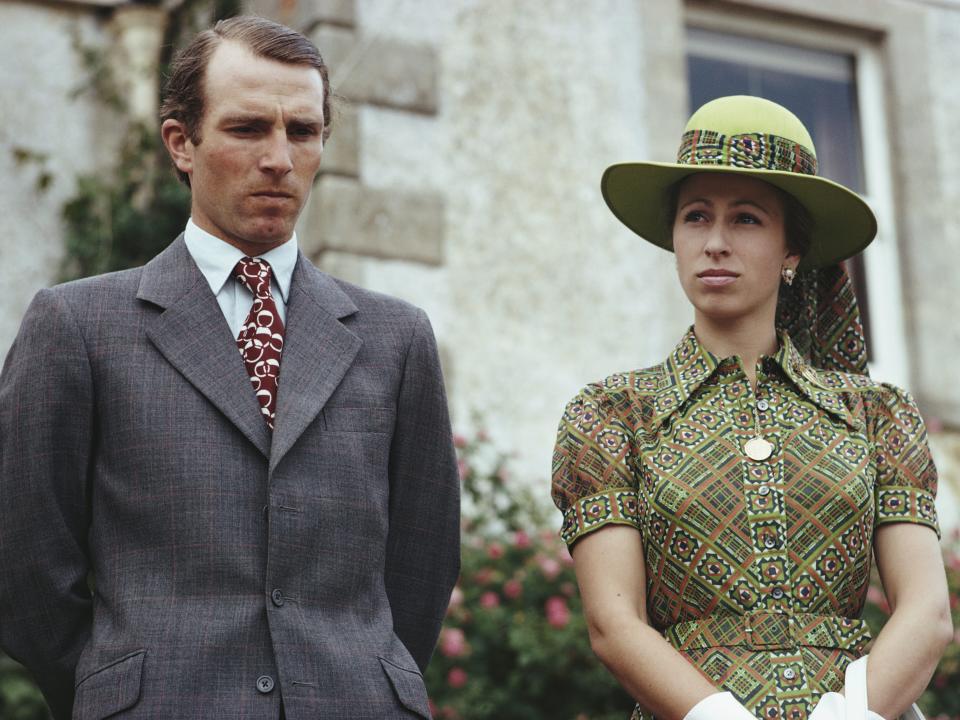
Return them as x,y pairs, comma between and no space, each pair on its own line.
777,593
763,405
277,597
764,490
264,684
789,674
769,541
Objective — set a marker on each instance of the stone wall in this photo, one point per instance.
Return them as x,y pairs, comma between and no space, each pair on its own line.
40,115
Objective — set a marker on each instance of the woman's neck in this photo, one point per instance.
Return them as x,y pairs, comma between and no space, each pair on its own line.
748,341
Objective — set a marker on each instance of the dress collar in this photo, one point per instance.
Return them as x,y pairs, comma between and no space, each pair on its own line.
690,365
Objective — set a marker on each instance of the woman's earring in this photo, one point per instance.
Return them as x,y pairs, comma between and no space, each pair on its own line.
788,274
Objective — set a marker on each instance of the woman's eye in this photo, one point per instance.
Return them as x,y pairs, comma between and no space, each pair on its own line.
748,219
694,216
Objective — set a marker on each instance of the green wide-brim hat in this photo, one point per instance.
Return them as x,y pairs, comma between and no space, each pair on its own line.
750,136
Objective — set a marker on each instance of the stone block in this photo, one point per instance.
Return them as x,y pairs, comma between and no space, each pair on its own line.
391,73
345,266
341,153
336,45
305,15
346,216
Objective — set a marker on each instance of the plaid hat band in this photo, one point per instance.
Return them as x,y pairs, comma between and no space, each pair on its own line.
755,151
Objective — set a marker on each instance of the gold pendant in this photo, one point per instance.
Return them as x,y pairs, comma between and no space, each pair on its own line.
758,449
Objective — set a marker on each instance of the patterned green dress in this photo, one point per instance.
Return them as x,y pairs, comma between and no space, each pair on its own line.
757,570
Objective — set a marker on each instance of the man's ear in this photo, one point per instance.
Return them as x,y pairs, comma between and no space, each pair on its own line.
174,135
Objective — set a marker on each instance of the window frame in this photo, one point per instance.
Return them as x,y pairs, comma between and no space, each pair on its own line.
890,360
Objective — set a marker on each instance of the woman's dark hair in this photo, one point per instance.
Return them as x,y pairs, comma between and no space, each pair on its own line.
183,96
797,223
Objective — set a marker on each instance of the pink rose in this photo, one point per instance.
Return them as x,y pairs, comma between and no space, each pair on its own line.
483,576
549,567
453,643
558,614
457,677
459,441
495,551
875,595
463,468
513,589
521,540
489,600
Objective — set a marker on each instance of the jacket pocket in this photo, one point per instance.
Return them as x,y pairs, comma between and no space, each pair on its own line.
408,684
110,688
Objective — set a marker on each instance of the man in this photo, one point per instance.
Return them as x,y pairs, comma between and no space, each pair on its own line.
271,531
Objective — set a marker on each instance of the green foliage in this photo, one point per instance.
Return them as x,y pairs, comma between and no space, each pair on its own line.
514,644
19,697
126,218
25,157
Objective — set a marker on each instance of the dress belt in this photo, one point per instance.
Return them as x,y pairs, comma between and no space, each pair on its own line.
769,630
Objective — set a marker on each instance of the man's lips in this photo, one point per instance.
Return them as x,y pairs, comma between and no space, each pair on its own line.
272,194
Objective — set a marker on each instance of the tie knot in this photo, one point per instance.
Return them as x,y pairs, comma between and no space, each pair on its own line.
255,276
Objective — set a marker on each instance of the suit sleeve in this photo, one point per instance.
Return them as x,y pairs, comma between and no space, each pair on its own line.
423,546
46,410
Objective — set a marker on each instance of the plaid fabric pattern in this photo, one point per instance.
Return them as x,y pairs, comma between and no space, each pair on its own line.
820,313
730,540
749,150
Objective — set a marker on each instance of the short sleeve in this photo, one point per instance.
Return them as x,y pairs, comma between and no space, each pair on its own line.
906,479
593,483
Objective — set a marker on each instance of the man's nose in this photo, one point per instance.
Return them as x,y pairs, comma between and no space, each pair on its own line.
276,156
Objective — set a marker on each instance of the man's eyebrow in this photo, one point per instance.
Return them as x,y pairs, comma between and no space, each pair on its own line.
242,118
254,118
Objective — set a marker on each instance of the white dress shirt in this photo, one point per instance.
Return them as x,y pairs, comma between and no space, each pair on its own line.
217,259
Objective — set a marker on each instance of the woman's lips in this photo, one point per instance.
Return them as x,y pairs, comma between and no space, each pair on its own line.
717,278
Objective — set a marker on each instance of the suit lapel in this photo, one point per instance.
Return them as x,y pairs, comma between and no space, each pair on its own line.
192,334
317,351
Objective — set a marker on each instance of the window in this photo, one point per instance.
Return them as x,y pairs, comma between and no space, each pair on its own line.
833,83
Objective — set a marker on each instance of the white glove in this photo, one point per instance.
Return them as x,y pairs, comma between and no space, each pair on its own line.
832,706
855,688
719,706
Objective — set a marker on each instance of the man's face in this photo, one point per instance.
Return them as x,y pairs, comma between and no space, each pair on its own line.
259,150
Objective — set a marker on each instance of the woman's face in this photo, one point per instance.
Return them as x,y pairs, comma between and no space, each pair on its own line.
730,243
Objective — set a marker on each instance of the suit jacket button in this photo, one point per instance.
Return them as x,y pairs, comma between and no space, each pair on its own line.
265,684
277,597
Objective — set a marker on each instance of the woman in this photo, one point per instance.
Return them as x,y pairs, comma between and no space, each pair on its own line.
721,507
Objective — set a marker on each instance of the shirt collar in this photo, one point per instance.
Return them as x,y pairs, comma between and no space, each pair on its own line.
690,365
216,259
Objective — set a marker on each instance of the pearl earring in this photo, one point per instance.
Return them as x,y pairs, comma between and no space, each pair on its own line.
788,274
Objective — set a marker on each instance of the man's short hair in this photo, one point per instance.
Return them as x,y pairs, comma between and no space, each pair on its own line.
183,97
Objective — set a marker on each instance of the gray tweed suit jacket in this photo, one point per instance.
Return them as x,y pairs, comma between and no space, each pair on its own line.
163,556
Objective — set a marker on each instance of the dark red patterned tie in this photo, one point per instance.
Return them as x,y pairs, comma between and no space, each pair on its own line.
261,337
